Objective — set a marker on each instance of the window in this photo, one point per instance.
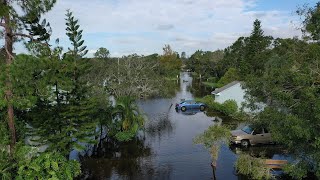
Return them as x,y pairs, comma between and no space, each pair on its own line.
247,129
258,131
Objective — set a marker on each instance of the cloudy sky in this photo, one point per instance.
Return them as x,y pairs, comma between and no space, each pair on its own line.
144,26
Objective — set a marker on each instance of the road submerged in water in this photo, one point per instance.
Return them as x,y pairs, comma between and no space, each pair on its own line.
165,150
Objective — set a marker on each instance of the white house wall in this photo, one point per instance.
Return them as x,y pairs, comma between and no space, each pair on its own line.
234,92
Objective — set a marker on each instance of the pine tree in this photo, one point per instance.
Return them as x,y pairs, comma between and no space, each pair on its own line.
68,117
13,25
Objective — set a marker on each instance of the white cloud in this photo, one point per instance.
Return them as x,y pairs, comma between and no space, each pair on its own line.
187,25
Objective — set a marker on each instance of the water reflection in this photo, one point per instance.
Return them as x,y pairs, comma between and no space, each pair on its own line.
111,158
198,89
262,151
189,111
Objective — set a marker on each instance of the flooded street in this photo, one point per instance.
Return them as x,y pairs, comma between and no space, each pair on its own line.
170,135
165,150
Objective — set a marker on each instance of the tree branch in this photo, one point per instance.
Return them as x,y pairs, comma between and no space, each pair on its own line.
9,54
1,22
30,37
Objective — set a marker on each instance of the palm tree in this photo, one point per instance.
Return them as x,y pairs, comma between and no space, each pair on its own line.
129,118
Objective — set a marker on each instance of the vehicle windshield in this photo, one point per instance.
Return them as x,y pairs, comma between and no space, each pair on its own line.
247,129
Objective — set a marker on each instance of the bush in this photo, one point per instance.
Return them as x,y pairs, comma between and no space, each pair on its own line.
229,107
212,79
255,168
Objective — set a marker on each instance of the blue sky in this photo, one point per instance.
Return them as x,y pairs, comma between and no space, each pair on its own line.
145,26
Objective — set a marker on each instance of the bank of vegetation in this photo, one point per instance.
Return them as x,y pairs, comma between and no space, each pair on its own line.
55,101
283,74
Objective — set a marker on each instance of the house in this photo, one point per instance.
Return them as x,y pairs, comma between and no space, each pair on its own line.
231,91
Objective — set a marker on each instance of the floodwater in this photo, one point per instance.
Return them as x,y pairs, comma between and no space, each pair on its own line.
165,150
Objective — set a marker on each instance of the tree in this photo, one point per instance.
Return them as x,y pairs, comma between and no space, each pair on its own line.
205,62
289,86
256,51
229,76
68,109
170,63
167,51
183,55
102,53
248,54
13,24
311,22
75,36
131,119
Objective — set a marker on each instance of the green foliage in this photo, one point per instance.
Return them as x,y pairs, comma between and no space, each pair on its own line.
212,138
2,78
5,166
230,76
75,36
311,21
213,135
297,170
129,118
253,167
102,53
248,54
170,63
55,86
288,84
229,107
51,165
205,62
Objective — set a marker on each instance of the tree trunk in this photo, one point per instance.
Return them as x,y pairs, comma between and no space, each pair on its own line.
8,93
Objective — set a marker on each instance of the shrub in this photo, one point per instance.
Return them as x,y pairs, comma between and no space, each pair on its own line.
253,167
229,107
212,79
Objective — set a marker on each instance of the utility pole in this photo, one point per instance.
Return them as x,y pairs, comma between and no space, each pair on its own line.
118,72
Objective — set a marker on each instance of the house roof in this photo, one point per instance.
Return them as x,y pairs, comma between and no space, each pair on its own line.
218,90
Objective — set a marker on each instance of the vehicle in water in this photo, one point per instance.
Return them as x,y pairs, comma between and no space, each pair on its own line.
190,104
251,136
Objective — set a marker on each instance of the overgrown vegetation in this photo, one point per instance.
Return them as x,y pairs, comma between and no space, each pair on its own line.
253,167
57,101
284,75
229,107
212,138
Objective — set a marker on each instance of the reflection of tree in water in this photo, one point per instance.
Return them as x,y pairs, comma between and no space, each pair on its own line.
225,120
127,160
260,151
159,126
198,89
